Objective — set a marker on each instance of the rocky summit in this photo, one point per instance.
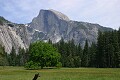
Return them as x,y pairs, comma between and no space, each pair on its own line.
54,25
49,24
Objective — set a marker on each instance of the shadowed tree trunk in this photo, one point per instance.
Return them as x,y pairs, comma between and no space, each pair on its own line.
36,76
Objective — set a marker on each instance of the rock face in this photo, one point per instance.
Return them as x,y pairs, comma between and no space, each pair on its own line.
49,24
54,25
13,37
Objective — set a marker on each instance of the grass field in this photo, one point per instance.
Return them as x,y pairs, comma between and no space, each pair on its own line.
19,73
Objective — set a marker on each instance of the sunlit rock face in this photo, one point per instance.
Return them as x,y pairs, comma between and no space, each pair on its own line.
54,25
15,36
49,24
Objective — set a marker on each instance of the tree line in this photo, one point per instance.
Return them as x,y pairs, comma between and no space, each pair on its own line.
39,55
103,54
13,59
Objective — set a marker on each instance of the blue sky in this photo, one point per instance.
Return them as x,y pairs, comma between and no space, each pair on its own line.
103,12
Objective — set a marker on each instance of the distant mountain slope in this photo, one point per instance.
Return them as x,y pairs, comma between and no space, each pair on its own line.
49,24
54,25
13,35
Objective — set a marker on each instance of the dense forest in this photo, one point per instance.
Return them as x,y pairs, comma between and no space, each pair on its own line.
103,54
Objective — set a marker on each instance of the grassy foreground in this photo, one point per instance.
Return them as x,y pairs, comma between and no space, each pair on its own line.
19,73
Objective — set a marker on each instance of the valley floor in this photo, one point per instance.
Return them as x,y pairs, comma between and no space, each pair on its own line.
19,73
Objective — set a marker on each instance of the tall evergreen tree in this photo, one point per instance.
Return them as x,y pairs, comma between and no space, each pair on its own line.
85,56
92,53
119,46
12,57
21,57
79,53
100,50
108,49
116,48
3,56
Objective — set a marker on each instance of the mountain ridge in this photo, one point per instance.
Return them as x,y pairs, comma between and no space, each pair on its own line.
48,21
49,24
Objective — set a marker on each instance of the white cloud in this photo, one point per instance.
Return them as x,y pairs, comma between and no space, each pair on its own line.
104,12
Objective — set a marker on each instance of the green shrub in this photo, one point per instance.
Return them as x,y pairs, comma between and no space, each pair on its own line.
32,65
59,65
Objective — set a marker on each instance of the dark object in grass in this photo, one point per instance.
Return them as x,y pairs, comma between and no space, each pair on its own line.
36,76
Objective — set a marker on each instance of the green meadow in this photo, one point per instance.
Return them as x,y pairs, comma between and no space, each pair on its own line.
20,73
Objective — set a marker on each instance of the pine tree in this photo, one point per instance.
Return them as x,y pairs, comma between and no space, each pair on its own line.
92,52
85,56
79,54
3,56
21,57
119,46
116,48
12,58
100,50
108,49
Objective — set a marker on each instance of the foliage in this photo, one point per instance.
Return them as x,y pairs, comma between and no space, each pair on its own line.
3,20
103,54
108,49
12,57
18,59
85,56
32,65
59,65
3,59
106,53
22,57
70,53
44,54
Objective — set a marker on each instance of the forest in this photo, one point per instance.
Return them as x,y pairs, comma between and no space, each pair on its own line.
103,54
